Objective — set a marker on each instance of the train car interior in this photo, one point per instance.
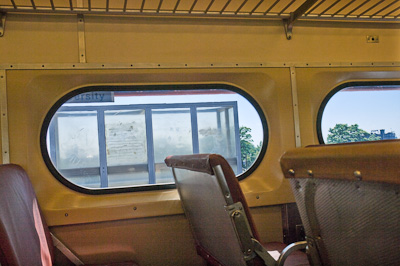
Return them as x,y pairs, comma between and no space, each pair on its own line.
297,99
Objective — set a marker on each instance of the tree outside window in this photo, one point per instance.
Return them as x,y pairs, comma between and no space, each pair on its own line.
342,133
249,151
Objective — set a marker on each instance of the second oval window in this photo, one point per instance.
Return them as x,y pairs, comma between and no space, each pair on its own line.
357,112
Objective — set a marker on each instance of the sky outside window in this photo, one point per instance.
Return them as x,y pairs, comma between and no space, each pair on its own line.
371,107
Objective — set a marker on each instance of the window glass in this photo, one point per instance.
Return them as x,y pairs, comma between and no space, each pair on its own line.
361,113
217,133
172,134
77,140
119,139
75,147
126,147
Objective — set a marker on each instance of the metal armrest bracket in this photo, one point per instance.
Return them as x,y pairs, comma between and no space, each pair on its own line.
242,229
249,245
263,253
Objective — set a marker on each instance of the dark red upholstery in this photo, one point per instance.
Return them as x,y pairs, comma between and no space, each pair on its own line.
205,163
19,237
25,239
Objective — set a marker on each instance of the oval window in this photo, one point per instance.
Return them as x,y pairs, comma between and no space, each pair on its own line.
103,138
360,112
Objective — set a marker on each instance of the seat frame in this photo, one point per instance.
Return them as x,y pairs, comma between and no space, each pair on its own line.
347,195
192,173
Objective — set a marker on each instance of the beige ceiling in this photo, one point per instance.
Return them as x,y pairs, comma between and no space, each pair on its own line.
370,10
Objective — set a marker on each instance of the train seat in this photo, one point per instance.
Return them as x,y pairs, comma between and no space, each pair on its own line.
219,216
24,236
348,198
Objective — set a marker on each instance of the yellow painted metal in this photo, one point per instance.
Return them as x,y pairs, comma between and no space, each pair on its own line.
315,84
4,140
81,39
54,39
180,51
44,39
151,241
268,221
39,89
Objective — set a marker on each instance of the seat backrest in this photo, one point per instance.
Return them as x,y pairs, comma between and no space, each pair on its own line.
215,207
24,235
348,198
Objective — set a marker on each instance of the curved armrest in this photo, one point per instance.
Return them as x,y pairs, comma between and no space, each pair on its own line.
289,249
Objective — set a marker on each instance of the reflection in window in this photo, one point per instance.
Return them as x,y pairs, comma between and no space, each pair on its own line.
362,113
109,139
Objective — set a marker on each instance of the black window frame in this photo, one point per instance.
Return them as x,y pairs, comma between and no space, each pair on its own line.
98,191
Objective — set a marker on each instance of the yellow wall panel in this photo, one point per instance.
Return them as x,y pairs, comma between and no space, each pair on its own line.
39,39
268,221
54,39
133,40
151,241
314,84
38,90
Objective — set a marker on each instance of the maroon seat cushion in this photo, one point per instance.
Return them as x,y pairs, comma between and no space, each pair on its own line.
24,235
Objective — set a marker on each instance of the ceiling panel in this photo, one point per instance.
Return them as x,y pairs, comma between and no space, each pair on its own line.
354,10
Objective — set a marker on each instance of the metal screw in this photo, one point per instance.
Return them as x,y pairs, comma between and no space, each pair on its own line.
310,173
291,171
357,174
236,214
134,208
66,214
